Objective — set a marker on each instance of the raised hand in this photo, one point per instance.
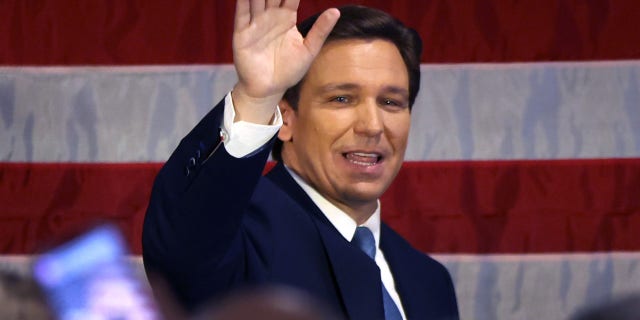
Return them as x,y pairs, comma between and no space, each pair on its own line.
270,55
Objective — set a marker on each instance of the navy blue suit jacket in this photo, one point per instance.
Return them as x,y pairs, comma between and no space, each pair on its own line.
215,224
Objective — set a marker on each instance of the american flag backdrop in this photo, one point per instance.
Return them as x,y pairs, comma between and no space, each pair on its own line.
523,166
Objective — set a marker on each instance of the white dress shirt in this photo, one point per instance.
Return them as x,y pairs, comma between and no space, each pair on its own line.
242,138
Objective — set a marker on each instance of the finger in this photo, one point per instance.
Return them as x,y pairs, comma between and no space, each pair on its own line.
273,3
257,7
320,30
291,4
243,15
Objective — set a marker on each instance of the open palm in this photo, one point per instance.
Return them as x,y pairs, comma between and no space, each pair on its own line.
270,55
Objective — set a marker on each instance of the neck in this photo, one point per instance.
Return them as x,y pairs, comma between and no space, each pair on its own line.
358,212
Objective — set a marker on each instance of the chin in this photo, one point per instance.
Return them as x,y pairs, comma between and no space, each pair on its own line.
365,194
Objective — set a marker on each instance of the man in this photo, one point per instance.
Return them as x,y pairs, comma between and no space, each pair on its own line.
214,224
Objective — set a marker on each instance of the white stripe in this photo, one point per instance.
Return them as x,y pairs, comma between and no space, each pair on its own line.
539,286
463,111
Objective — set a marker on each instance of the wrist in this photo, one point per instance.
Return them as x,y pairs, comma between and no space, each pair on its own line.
259,110
252,109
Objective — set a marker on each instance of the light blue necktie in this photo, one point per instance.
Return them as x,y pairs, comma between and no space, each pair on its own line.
365,241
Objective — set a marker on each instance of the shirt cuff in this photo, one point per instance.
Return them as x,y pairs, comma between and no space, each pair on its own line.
242,138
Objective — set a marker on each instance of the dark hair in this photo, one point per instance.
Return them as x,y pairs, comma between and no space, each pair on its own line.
360,22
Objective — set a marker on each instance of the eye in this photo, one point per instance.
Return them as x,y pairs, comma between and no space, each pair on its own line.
341,99
394,103
390,102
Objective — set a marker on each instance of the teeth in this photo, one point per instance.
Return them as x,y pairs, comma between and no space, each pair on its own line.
362,158
362,154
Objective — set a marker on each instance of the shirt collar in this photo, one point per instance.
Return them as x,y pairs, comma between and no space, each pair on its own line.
345,225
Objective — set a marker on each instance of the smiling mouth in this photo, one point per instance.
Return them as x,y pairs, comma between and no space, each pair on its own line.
362,158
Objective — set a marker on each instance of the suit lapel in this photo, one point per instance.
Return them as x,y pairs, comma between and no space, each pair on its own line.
400,262
356,275
281,177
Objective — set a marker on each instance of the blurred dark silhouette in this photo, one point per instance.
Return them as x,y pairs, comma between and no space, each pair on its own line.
267,303
21,298
621,308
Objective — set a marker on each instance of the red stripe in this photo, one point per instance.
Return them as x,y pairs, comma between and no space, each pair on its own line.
182,32
448,207
44,203
517,206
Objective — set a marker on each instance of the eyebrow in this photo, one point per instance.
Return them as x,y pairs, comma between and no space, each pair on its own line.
338,86
397,90
352,86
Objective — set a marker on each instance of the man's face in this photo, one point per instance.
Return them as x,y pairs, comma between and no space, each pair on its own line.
348,137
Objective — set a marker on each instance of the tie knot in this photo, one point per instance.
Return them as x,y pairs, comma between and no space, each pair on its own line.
365,241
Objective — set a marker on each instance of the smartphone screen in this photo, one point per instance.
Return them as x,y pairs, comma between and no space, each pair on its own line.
91,278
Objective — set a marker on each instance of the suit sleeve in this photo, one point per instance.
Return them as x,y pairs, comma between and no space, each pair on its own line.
192,230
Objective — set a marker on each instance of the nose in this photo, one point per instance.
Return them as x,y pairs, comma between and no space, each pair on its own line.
369,120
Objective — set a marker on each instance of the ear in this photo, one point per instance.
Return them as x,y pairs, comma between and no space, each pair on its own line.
288,121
